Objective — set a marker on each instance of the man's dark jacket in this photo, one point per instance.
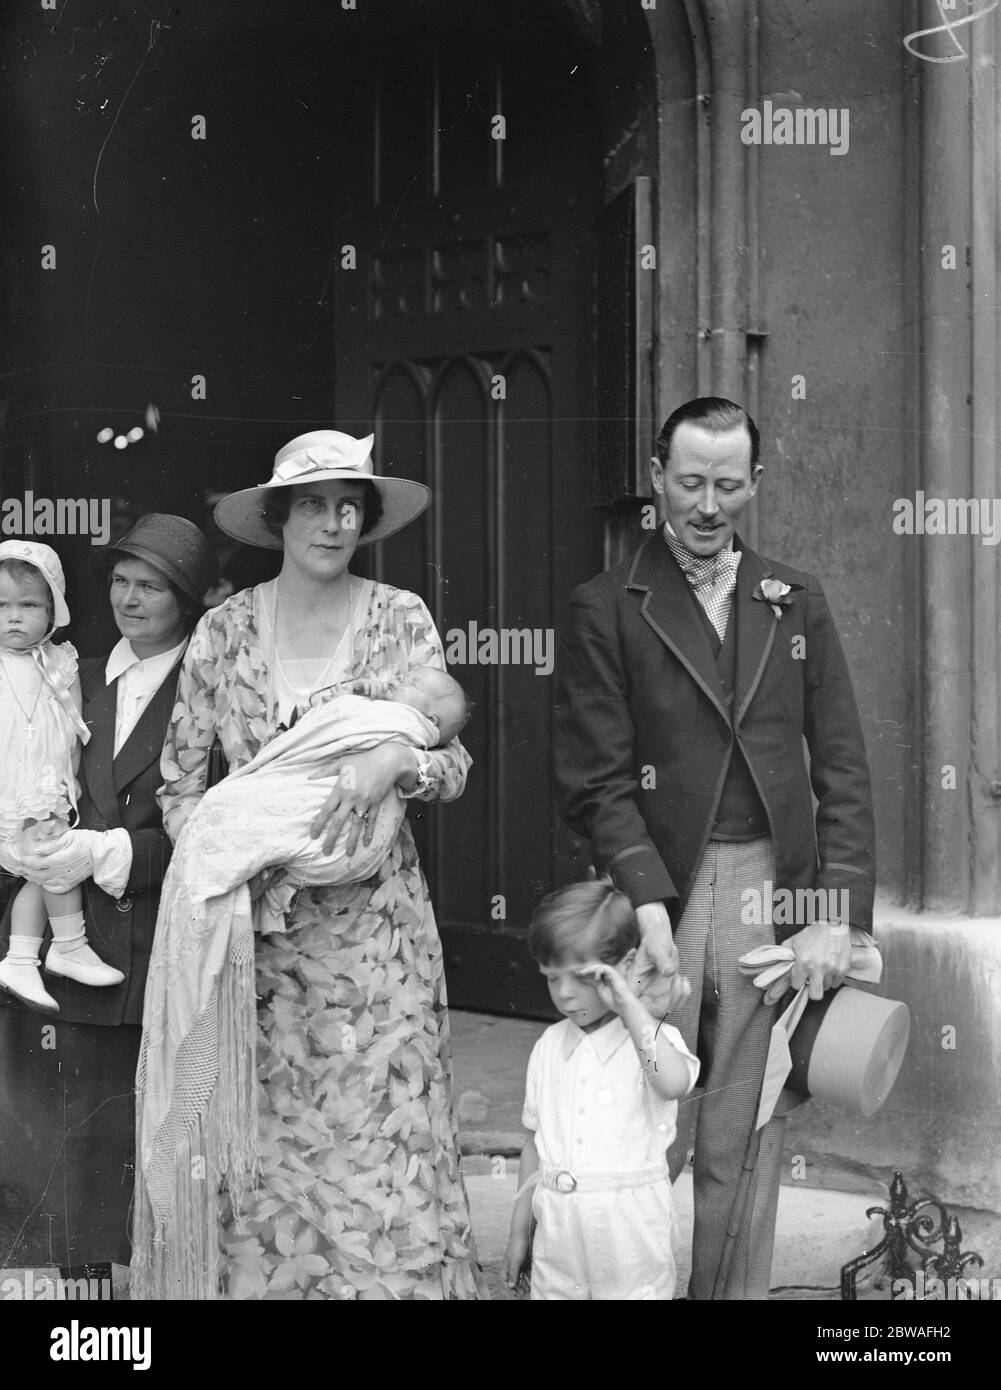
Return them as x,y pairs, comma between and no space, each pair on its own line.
117,792
645,734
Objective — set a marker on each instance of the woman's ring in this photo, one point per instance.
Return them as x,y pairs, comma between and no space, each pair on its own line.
359,814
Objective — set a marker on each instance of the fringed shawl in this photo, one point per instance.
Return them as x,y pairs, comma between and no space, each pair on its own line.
196,1102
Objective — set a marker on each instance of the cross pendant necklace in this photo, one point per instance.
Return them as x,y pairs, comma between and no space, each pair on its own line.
30,728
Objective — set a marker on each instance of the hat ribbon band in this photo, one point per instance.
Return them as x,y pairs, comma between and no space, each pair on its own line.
317,461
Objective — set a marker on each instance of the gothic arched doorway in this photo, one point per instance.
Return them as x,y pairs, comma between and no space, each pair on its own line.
471,184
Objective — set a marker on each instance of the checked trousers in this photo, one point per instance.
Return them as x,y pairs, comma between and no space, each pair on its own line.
725,1022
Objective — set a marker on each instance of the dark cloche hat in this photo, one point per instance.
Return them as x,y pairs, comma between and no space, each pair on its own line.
174,546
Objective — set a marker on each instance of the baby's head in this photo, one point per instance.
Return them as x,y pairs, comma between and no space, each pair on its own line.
435,694
576,926
27,612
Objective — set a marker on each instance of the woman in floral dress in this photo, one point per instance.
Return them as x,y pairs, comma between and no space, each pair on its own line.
358,1191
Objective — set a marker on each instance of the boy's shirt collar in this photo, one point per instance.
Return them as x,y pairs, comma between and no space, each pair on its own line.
606,1040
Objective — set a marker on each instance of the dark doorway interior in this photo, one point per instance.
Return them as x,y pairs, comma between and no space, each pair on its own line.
463,334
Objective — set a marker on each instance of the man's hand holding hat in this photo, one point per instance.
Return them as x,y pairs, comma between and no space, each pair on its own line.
823,957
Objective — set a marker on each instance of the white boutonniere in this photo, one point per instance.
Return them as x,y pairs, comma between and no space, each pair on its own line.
773,591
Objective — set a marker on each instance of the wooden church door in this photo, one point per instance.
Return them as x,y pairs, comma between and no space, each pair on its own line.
464,222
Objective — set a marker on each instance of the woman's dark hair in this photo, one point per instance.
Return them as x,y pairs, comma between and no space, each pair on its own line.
278,504
21,571
591,921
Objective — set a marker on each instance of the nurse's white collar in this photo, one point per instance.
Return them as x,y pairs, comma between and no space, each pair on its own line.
122,658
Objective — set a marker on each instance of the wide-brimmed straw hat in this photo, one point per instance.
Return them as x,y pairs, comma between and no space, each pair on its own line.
174,546
317,457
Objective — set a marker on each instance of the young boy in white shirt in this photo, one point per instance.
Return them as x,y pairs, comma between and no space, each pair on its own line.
601,1102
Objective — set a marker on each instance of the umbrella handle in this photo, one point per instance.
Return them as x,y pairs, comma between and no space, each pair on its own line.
737,1211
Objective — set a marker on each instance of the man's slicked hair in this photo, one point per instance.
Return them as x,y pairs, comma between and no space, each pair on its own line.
712,413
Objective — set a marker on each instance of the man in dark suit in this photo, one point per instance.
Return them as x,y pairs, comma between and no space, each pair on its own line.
690,676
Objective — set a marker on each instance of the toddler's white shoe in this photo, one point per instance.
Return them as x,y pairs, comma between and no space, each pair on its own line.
83,965
24,981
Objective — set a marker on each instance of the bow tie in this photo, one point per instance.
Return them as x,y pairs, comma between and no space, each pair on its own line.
705,572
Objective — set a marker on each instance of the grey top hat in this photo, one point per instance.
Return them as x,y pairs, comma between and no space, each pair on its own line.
174,546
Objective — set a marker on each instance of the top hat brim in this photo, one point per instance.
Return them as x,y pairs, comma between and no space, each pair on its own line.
849,1048
240,513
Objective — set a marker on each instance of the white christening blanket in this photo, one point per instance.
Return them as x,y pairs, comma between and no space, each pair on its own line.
196,1102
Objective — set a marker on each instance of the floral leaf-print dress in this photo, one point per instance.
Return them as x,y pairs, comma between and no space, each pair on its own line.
360,1193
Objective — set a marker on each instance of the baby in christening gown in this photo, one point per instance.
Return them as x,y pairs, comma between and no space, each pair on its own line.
259,817
196,1081
41,730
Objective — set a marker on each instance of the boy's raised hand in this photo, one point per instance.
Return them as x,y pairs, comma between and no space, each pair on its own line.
613,989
